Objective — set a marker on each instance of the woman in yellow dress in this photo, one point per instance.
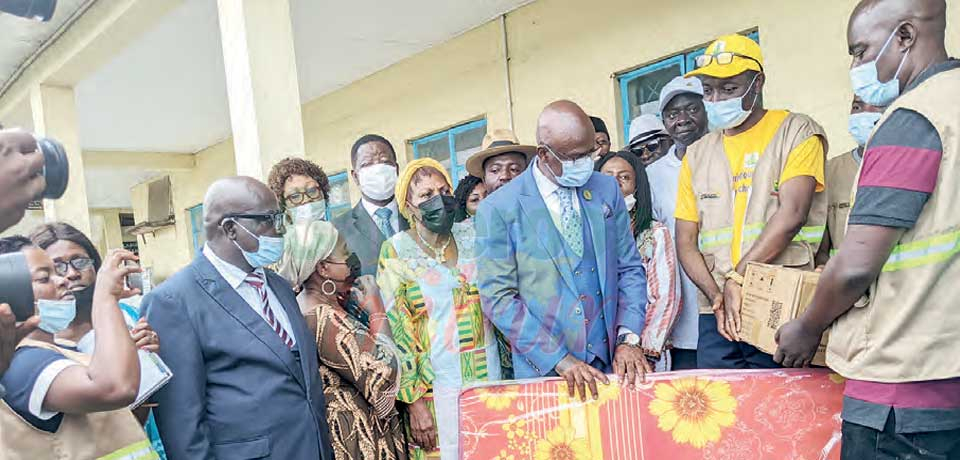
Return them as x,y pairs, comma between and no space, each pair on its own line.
427,276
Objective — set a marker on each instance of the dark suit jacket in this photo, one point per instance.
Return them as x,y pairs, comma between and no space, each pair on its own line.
363,236
237,391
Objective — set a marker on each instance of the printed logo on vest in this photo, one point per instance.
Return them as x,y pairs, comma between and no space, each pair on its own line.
750,160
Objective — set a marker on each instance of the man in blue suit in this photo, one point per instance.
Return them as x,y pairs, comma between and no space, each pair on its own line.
559,271
245,378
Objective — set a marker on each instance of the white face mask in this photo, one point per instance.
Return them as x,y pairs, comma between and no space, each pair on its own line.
631,201
309,212
378,181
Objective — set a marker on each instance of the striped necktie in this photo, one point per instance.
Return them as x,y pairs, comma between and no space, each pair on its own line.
256,281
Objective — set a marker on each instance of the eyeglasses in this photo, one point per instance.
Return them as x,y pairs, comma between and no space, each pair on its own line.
571,156
79,264
723,58
303,196
276,217
649,146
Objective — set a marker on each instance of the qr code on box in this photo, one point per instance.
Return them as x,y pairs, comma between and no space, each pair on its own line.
776,310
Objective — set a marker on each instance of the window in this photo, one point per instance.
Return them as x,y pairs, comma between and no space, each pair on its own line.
197,235
640,89
339,200
452,147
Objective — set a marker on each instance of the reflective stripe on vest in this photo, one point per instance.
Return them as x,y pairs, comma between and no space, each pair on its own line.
716,238
812,234
139,451
923,252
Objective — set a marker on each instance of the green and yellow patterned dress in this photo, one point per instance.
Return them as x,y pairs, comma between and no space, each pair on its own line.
445,342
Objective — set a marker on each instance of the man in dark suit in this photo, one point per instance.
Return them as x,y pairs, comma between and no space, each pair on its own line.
376,217
246,382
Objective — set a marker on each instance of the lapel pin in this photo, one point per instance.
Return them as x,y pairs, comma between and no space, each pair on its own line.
587,195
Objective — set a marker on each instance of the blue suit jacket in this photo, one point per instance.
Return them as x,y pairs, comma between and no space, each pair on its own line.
237,391
526,281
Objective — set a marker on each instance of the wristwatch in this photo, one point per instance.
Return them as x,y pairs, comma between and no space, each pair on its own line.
628,339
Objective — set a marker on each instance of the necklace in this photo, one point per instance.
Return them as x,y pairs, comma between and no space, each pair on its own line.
438,254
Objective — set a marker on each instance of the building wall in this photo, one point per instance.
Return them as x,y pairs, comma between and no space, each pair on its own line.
458,81
169,249
558,49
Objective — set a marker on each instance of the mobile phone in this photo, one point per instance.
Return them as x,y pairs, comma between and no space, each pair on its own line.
133,280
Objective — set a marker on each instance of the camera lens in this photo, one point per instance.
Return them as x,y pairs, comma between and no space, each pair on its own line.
56,168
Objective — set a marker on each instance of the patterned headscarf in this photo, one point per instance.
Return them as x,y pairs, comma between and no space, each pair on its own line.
304,246
407,175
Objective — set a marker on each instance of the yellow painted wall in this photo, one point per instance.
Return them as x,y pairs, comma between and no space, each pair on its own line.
559,49
458,81
105,232
169,249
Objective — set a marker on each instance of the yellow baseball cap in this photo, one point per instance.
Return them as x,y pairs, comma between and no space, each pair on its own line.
728,56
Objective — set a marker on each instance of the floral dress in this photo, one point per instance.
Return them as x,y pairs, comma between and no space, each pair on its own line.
444,340
360,386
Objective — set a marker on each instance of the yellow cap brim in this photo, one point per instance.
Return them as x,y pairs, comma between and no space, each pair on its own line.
737,67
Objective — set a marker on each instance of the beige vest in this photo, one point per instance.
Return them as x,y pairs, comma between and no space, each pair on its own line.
103,435
910,329
841,175
713,187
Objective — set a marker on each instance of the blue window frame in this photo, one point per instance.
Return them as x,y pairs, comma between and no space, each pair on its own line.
339,200
452,147
640,88
197,235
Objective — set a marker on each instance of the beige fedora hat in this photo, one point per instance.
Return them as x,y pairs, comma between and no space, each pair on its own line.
498,142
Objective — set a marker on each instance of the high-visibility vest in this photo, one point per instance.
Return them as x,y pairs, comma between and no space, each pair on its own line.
114,435
713,187
841,175
909,331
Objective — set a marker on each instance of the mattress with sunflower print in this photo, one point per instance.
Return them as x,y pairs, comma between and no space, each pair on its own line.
706,414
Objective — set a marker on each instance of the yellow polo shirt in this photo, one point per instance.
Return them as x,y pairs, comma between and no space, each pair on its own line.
743,151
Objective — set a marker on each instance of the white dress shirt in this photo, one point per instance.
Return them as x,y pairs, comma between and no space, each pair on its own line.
392,206
664,177
548,191
236,278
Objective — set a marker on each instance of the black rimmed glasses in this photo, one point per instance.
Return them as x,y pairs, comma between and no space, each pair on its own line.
276,217
310,194
652,145
722,58
78,263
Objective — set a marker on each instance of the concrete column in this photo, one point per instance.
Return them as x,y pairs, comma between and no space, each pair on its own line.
55,115
262,87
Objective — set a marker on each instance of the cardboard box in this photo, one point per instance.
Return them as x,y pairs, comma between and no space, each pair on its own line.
772,296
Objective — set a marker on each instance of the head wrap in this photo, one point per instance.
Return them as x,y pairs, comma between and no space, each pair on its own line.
407,175
304,246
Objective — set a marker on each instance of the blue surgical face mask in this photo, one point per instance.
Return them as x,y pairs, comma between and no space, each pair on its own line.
575,173
862,124
269,249
56,315
866,81
729,114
